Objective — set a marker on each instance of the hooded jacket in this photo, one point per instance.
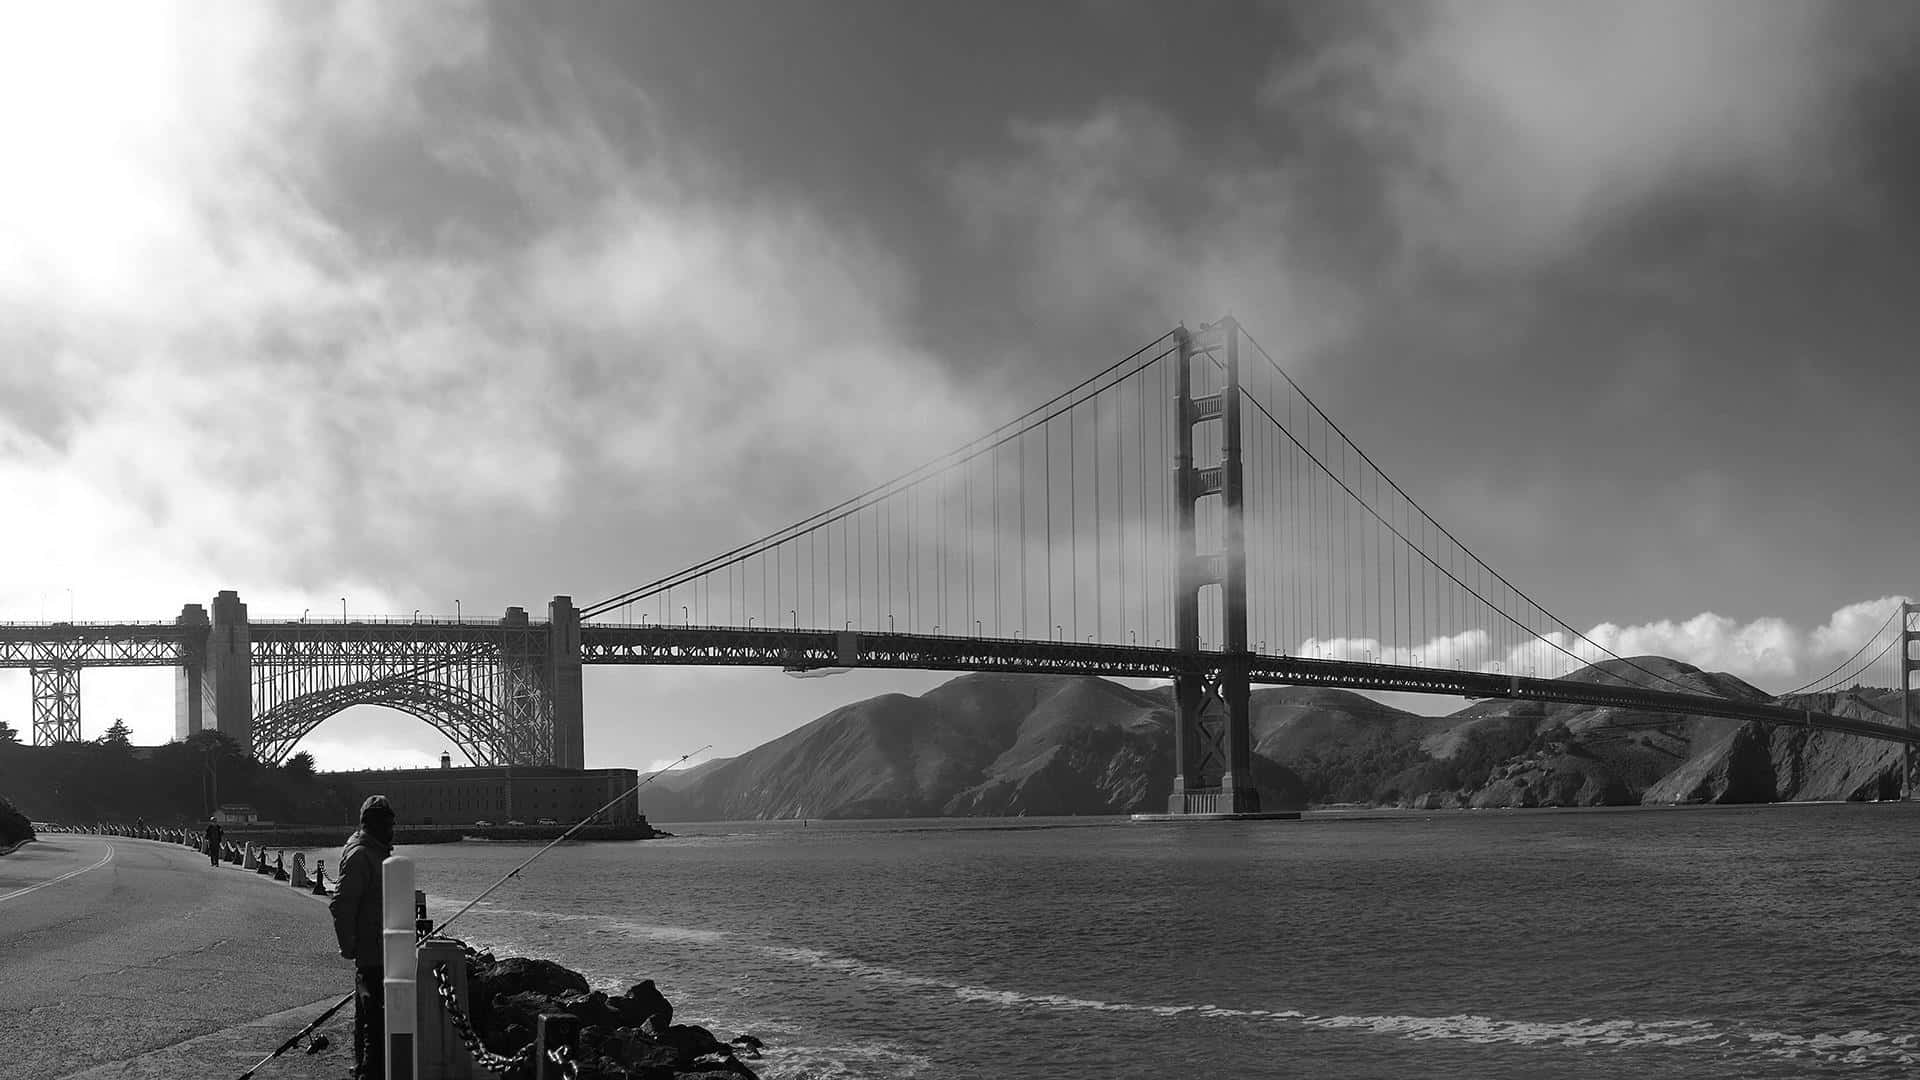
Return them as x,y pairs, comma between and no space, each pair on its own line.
356,899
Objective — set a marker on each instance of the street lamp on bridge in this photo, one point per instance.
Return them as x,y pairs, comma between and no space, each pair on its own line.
343,609
456,612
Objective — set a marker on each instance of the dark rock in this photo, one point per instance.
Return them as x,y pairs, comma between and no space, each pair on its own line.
518,973
747,1045
515,975
593,1008
628,1047
642,1003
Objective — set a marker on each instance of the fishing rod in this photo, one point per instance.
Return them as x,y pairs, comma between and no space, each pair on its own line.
295,1041
577,827
629,793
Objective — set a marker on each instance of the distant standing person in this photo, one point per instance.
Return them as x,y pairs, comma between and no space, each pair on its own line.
214,835
356,922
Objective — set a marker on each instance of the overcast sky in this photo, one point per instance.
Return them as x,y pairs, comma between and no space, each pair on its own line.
410,303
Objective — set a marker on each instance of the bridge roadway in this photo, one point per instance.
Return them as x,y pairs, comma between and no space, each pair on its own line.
136,959
817,649
159,644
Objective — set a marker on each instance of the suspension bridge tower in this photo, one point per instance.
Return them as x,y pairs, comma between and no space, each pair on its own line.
1212,741
1906,666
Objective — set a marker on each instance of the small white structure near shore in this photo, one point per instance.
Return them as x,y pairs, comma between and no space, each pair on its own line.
236,814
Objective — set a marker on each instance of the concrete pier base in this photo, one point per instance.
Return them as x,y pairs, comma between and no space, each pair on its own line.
1269,815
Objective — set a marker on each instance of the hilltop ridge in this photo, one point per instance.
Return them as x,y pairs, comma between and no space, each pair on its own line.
989,744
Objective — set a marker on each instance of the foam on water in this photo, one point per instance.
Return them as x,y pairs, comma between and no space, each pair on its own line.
682,935
795,1058
1852,1047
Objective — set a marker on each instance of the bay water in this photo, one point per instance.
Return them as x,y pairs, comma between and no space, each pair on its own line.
1701,943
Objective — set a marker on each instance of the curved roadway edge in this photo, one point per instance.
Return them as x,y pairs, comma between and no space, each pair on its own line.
136,959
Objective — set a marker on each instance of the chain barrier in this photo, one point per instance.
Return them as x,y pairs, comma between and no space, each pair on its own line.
248,857
563,1057
482,1056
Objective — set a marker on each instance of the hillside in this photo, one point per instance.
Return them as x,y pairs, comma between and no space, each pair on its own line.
983,744
992,744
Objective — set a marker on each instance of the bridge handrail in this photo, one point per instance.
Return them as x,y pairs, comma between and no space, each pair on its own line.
86,624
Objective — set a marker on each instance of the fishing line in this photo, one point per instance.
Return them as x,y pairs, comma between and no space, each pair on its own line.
577,827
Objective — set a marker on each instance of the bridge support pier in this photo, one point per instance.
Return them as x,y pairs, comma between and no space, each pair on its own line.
563,682
190,678
227,686
56,704
1212,730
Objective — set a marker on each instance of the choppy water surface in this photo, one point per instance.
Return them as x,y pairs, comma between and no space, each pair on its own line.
1765,942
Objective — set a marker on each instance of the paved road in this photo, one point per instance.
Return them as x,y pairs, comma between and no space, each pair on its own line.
133,958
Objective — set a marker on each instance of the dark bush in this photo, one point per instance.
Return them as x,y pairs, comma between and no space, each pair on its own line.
14,826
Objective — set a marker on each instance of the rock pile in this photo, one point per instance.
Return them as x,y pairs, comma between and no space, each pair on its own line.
630,1036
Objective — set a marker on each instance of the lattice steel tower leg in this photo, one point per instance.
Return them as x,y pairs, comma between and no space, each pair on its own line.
56,704
1212,732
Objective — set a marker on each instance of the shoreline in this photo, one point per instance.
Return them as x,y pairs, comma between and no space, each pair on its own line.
315,836
631,1031
1311,814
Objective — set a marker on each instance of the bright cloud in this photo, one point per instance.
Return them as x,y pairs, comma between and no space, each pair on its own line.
271,321
1768,652
235,368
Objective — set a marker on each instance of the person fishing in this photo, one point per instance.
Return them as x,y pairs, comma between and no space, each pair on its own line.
356,923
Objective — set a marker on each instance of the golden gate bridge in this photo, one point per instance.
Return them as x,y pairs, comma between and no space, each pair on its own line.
1187,513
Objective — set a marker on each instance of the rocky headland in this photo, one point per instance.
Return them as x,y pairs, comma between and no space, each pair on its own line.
1010,745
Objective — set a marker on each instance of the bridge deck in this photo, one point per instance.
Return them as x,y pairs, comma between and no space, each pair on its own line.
819,649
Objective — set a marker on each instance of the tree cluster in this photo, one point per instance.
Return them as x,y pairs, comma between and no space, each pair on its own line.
183,781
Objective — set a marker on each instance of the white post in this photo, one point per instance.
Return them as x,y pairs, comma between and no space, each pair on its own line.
396,957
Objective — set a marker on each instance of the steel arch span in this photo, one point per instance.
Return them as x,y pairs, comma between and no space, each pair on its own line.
472,722
487,686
